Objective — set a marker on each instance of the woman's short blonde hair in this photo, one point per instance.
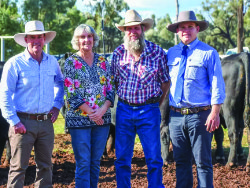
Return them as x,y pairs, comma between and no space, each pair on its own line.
78,32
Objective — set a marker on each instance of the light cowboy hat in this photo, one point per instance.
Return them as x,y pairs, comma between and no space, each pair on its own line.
133,18
34,28
187,16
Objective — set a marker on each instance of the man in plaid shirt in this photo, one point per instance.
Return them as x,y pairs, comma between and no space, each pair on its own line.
140,73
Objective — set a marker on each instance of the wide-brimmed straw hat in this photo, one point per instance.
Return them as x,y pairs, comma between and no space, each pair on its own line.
34,28
187,16
132,17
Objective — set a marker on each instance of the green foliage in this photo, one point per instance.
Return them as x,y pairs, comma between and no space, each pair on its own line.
57,15
113,37
159,34
222,32
10,24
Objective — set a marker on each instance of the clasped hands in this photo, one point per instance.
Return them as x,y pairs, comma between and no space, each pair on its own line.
96,116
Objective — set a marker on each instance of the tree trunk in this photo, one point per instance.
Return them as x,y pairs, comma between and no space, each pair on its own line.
240,30
177,14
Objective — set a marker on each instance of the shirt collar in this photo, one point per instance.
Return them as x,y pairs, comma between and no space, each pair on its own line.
190,45
29,57
147,50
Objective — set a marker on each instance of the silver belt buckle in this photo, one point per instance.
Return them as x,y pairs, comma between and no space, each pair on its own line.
45,117
184,111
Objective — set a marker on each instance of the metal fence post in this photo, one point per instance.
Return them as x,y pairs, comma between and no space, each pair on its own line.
2,49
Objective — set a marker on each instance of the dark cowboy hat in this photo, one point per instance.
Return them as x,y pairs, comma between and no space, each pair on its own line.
133,18
187,16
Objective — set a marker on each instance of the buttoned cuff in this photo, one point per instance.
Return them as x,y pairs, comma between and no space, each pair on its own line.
13,120
58,104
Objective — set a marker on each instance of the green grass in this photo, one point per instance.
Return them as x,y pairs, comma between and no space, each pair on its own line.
59,125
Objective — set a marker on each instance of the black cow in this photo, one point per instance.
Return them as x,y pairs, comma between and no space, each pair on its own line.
236,108
4,126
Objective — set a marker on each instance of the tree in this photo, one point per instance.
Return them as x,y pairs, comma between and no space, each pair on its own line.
227,20
247,27
176,17
113,37
160,35
57,15
65,25
10,24
223,21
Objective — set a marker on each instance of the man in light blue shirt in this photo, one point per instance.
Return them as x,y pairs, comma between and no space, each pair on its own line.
196,93
29,105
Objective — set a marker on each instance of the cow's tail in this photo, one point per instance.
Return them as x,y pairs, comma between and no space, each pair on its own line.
246,61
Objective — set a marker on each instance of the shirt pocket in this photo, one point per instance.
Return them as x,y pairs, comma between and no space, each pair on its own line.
195,70
49,85
29,79
124,72
148,76
173,67
50,76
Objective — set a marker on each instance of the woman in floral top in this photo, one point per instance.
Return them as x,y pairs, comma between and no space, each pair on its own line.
89,91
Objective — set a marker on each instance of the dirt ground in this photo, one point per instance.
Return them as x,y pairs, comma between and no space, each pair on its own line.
64,167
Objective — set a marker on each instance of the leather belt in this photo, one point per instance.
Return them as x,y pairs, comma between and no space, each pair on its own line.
186,111
149,101
38,117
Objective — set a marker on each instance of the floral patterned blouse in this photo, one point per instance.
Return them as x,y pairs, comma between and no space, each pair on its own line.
92,85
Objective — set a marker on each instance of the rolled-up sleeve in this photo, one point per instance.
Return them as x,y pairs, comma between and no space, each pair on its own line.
58,101
216,79
8,87
163,68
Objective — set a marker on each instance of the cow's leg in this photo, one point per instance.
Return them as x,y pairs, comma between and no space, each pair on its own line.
248,158
233,137
4,128
110,145
2,144
165,141
8,154
219,153
111,140
240,153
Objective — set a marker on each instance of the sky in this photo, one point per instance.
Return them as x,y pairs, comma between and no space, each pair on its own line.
148,7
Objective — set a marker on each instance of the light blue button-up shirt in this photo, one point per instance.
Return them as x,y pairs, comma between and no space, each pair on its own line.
29,87
203,81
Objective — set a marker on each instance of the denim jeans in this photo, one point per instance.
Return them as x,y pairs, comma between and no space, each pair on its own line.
88,145
145,121
190,139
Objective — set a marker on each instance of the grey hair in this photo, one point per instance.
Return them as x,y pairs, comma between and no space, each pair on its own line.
78,31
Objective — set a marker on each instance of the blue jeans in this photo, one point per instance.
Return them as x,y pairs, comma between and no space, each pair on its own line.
88,145
145,121
190,139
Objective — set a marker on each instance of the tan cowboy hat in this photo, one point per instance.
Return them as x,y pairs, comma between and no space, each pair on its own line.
133,18
34,28
187,16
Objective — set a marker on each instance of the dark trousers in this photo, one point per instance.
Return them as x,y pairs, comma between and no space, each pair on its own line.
190,140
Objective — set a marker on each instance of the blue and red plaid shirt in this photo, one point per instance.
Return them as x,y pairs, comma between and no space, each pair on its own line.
141,80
